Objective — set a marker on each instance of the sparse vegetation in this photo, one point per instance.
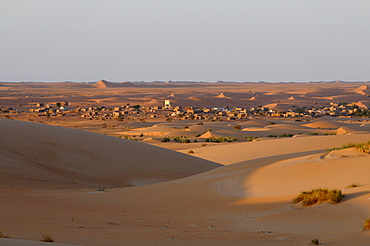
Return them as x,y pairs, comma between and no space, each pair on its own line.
363,147
47,238
366,226
221,139
181,139
2,235
200,123
312,197
166,139
190,152
101,189
353,185
128,137
249,138
284,135
315,242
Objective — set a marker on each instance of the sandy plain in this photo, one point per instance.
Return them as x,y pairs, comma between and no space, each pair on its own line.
85,188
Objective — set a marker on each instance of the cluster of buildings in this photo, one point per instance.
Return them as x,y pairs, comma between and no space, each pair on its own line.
169,112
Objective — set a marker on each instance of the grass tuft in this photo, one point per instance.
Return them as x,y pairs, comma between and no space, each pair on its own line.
366,226
363,147
312,197
47,238
2,235
353,185
191,152
315,242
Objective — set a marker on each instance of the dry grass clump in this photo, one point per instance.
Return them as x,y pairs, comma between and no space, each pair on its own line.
366,224
363,147
190,152
315,242
312,197
353,185
2,235
47,238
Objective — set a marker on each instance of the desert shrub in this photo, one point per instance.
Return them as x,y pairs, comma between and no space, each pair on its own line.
286,135
353,185
200,123
237,127
198,135
221,139
366,226
47,238
181,139
363,147
2,235
249,138
190,152
309,198
101,189
315,241
314,133
166,139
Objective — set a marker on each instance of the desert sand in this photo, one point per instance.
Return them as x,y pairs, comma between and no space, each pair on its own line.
85,188
51,177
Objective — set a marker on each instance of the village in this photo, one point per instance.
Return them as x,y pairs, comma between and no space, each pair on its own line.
169,112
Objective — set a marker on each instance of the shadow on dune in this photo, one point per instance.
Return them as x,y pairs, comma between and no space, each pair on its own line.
355,195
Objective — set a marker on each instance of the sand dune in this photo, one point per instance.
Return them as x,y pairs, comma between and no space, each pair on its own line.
217,134
105,84
222,95
362,90
246,202
323,124
239,152
60,157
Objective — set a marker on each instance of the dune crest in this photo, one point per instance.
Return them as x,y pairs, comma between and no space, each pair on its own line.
105,84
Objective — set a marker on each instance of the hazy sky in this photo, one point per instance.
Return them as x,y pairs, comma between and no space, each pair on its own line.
199,40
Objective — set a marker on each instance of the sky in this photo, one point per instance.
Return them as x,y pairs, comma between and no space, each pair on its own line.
184,40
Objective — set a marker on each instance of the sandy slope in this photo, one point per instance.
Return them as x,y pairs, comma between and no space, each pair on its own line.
35,154
247,202
241,152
